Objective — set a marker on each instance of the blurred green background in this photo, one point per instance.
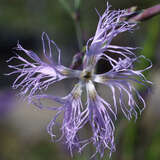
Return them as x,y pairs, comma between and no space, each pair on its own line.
23,134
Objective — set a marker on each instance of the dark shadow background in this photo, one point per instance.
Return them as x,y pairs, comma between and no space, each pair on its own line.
22,127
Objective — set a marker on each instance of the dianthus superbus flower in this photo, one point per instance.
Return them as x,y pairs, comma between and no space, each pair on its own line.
37,75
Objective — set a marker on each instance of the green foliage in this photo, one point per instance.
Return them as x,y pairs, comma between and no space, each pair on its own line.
152,36
153,152
130,135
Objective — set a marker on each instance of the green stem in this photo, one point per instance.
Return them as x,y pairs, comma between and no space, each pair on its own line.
74,13
77,4
77,23
67,7
78,34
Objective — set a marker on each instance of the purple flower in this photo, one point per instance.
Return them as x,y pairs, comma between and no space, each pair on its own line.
35,77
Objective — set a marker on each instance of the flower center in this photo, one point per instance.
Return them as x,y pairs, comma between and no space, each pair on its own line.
86,75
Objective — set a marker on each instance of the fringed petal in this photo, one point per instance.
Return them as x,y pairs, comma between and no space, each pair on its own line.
100,121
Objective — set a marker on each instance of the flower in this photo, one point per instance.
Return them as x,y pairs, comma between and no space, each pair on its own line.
97,112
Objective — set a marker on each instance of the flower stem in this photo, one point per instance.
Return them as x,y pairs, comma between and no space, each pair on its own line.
146,14
78,30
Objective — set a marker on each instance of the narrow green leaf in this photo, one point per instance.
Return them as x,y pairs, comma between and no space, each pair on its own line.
67,7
